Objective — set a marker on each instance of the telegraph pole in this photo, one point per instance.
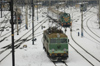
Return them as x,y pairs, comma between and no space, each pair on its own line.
65,5
82,19
37,10
48,10
99,14
32,21
26,15
82,24
17,21
1,9
72,19
49,4
12,30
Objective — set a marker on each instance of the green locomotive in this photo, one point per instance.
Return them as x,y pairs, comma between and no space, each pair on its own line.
61,18
55,43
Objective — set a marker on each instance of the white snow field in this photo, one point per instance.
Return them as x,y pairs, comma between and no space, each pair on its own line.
34,55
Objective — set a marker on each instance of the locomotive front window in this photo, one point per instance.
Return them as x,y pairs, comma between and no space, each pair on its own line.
53,41
63,40
58,40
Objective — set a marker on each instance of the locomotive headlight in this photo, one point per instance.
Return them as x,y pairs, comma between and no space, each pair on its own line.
65,49
53,50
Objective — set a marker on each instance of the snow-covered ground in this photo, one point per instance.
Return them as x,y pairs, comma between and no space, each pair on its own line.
34,55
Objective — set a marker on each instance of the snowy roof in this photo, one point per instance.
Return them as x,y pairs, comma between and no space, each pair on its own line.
55,35
54,10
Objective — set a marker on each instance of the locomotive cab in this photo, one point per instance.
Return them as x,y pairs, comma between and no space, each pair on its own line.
55,43
58,47
65,20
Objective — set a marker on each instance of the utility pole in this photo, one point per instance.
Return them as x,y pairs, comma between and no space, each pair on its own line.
48,10
82,19
32,4
99,14
49,4
65,5
23,4
72,18
1,9
37,10
17,21
26,15
16,17
12,30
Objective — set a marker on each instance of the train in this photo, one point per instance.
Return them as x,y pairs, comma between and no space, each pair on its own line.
61,18
55,44
17,16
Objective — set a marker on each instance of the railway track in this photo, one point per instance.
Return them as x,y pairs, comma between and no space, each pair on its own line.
62,63
87,52
4,27
84,49
81,48
14,31
91,31
75,18
9,45
4,21
10,34
81,55
18,45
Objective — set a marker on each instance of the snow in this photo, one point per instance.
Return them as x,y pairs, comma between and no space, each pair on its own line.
34,55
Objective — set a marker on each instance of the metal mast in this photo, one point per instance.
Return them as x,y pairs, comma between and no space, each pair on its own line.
32,21
99,14
1,8
12,30
65,5
82,19
26,14
48,10
17,21
37,9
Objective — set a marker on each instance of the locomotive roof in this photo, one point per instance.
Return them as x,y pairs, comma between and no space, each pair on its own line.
54,10
55,35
